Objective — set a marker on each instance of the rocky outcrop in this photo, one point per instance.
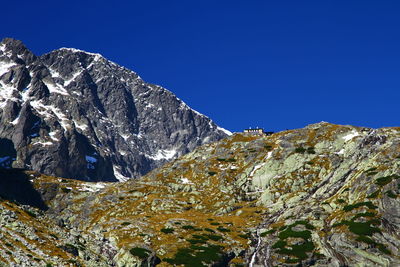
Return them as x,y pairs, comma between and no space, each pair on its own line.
324,195
78,115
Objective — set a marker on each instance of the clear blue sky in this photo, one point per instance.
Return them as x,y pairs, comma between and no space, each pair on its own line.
273,64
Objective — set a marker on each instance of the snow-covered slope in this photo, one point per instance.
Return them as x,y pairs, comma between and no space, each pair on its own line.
76,114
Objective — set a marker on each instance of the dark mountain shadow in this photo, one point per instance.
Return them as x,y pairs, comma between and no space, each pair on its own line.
15,186
7,153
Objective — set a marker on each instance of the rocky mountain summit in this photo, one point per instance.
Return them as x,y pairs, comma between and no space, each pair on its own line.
75,114
324,195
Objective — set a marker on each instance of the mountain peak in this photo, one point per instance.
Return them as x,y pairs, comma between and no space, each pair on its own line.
12,43
16,51
74,50
91,118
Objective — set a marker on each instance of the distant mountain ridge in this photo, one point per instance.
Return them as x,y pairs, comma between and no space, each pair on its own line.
76,114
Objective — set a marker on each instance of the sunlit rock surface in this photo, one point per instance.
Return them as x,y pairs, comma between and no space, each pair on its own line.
324,195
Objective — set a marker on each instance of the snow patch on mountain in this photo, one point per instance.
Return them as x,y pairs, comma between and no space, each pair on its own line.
164,154
4,68
351,135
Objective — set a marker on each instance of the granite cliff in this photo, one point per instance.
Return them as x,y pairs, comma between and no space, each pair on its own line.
75,114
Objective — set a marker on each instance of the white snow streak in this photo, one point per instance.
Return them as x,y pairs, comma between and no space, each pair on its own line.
92,187
54,74
186,181
118,175
255,169
351,135
341,152
74,50
55,89
5,67
82,127
224,130
15,122
163,154
43,143
43,110
69,81
7,93
53,136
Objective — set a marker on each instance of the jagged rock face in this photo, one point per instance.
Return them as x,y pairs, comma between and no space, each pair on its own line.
324,195
75,114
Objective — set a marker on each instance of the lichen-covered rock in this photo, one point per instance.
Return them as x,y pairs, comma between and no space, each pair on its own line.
324,195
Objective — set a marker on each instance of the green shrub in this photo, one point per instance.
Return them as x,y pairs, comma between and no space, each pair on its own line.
214,237
300,150
197,241
201,237
365,239
360,204
382,181
371,169
361,228
299,250
365,214
279,244
310,150
268,232
390,194
222,229
196,256
141,253
290,233
167,230
374,194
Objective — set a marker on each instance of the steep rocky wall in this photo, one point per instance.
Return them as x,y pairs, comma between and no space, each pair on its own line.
75,114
